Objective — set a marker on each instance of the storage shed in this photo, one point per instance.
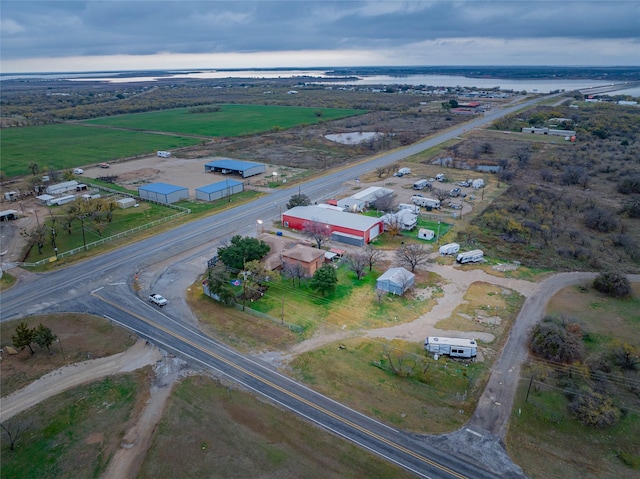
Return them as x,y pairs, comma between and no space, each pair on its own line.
426,234
227,166
125,203
7,215
396,281
222,189
163,193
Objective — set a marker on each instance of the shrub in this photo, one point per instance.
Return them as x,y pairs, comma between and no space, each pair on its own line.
612,283
594,409
600,220
554,341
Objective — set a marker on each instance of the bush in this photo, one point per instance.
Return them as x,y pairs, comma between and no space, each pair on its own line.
594,409
554,341
600,220
612,283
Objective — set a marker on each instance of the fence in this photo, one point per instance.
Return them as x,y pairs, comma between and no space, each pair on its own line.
181,212
292,327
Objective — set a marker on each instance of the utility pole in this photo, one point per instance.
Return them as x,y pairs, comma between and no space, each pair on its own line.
84,241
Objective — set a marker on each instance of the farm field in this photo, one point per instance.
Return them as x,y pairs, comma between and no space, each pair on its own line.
228,121
65,146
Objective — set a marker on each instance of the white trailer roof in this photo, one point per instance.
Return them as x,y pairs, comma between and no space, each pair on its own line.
451,341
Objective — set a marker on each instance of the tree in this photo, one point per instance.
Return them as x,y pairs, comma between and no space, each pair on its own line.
393,225
627,356
612,283
293,270
373,255
218,282
241,250
324,279
13,430
35,169
298,200
317,231
23,336
412,255
440,194
44,337
35,235
357,263
385,202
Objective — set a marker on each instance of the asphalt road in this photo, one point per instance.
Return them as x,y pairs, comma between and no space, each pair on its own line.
109,276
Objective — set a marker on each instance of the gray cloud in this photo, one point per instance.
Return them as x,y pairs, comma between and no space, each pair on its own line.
35,29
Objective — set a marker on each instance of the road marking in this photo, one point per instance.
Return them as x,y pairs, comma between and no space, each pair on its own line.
474,432
114,284
286,391
96,290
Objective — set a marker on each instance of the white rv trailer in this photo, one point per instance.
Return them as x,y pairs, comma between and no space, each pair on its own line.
454,347
420,185
473,256
449,248
427,202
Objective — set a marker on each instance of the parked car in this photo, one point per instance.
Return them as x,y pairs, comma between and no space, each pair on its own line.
78,171
465,184
455,192
104,165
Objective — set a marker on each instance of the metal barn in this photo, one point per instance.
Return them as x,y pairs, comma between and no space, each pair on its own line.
396,281
227,166
222,189
163,193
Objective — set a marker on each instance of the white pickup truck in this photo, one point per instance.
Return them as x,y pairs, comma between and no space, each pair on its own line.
158,299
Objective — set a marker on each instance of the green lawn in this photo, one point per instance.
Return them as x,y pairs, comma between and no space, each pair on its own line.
230,120
67,146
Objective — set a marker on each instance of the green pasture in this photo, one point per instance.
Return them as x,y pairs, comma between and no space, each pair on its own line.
230,120
70,145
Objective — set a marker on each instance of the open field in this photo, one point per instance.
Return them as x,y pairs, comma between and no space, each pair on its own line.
226,120
544,437
67,146
211,430
81,337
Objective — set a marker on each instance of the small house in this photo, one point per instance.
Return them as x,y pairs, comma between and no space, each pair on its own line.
311,259
396,281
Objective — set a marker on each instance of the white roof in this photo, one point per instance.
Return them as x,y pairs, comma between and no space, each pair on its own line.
332,217
451,341
372,193
398,276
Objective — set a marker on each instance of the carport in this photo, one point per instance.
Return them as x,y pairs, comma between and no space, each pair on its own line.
227,166
222,189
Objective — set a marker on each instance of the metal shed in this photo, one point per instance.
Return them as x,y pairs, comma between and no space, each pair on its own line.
396,281
227,166
222,189
163,193
125,203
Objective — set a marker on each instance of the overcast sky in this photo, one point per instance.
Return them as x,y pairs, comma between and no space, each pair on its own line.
55,35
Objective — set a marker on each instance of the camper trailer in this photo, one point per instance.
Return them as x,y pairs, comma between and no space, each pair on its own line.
164,154
427,202
473,256
420,185
449,248
454,347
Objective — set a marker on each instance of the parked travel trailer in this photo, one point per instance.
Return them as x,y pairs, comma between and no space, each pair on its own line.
449,248
454,347
473,256
415,209
63,200
427,202
420,185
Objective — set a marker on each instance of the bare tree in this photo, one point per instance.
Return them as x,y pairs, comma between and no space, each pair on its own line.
13,430
293,270
440,194
36,236
317,231
385,203
357,263
393,225
412,255
373,255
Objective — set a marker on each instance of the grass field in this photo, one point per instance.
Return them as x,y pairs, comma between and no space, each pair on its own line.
67,146
80,336
230,120
75,434
544,437
211,430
